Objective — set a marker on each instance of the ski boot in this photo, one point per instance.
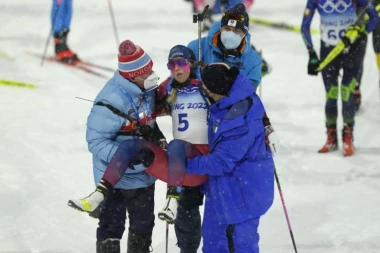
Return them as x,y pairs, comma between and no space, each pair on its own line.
169,212
139,243
62,51
111,245
94,202
348,139
332,141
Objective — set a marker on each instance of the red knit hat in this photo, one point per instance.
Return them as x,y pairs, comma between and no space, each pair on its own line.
133,61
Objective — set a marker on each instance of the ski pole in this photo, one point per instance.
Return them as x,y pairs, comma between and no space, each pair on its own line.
198,18
285,211
51,31
113,23
167,236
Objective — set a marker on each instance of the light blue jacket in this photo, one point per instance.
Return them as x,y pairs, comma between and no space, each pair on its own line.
103,127
249,62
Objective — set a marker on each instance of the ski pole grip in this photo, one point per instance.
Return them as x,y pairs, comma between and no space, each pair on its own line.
199,17
203,13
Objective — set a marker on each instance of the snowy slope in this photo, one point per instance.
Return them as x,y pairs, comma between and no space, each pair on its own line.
332,201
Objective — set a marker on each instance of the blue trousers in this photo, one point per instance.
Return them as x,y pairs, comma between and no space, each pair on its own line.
245,235
61,15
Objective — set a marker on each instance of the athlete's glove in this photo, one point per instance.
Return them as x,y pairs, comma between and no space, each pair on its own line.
163,144
145,157
272,140
313,63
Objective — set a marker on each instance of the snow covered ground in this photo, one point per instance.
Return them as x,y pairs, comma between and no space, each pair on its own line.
333,202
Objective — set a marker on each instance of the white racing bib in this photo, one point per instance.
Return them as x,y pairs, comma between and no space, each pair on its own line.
189,116
336,17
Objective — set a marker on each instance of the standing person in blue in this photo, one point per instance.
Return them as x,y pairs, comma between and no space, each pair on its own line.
228,41
131,91
220,7
240,184
61,13
336,17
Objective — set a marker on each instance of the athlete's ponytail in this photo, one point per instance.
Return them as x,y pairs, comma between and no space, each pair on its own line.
172,96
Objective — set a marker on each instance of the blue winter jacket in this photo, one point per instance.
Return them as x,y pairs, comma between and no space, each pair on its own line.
249,62
240,165
103,127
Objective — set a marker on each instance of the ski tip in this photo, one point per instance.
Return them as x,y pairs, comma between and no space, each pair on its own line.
17,84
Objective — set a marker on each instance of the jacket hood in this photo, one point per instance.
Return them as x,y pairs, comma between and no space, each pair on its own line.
241,89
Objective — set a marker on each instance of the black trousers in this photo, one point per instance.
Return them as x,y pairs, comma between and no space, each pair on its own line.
139,203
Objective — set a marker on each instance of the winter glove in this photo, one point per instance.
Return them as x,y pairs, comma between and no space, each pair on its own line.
94,202
163,144
163,109
146,131
265,68
352,34
202,64
272,140
313,63
145,157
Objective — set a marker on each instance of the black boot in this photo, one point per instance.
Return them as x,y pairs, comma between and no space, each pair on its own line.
62,51
108,246
139,243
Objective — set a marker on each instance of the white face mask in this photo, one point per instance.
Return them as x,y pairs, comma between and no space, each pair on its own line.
230,39
151,81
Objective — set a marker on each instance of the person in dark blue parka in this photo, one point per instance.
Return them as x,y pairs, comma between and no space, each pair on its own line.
240,167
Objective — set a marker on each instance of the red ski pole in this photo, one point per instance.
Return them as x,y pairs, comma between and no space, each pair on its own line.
285,211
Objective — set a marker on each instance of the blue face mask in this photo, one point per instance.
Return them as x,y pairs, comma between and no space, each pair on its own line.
230,39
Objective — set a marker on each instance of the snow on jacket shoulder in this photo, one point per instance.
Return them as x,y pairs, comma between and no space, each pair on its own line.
249,62
103,127
240,166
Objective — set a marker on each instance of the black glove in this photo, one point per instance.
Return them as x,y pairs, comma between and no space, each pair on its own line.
163,108
313,63
145,157
265,68
146,131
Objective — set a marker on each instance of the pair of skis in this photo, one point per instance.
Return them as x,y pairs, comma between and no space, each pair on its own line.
85,66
